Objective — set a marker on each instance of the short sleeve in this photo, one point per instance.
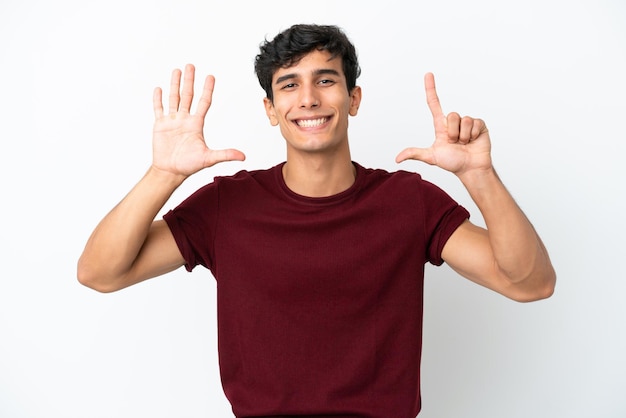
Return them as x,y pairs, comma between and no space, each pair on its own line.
192,224
442,216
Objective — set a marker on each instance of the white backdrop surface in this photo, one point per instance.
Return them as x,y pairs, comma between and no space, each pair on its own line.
76,117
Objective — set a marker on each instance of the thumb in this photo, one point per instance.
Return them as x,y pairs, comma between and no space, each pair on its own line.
213,157
420,154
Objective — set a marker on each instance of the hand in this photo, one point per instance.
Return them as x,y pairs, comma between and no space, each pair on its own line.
178,140
461,144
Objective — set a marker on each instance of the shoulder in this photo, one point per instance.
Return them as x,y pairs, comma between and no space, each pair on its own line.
243,176
400,179
407,189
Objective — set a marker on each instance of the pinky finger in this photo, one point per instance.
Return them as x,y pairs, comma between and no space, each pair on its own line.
157,102
478,128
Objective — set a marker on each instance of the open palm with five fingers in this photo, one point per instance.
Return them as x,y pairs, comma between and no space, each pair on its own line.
179,146
462,144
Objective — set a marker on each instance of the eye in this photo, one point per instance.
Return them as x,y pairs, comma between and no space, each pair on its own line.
327,82
288,86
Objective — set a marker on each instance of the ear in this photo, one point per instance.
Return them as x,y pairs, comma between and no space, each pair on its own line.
355,100
270,111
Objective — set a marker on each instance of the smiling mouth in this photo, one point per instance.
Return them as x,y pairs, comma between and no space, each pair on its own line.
311,123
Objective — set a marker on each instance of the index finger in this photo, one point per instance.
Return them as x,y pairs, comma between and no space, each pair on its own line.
207,96
431,96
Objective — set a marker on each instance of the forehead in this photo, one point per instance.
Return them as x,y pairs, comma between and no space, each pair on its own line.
311,63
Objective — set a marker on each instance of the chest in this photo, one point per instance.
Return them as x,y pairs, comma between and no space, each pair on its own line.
319,253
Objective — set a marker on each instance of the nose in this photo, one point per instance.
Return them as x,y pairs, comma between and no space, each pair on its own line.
308,97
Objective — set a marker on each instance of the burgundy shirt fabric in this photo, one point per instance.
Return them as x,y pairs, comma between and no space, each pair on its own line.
319,299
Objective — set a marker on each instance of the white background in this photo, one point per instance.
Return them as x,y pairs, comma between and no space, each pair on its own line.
76,86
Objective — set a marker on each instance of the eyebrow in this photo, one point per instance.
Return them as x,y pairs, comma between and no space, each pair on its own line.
321,71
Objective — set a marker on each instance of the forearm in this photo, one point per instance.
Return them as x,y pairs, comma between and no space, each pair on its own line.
518,251
114,245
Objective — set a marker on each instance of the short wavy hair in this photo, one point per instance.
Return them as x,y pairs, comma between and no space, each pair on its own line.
290,45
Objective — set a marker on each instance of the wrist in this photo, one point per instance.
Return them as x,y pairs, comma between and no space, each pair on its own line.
479,177
164,177
485,188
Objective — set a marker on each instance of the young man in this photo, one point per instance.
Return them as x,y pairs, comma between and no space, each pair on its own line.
319,261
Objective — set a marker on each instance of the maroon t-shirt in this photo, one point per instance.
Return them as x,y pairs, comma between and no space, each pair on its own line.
319,299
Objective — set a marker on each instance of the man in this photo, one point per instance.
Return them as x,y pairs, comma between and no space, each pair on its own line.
319,261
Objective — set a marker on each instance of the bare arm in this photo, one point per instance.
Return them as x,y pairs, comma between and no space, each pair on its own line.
508,256
128,245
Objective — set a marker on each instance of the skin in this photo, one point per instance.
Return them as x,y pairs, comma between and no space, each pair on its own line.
318,155
508,256
311,107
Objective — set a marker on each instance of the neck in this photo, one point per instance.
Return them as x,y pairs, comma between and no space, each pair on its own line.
319,177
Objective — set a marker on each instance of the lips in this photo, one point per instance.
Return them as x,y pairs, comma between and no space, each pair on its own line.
311,123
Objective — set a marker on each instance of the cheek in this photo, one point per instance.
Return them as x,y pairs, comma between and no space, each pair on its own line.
281,113
285,129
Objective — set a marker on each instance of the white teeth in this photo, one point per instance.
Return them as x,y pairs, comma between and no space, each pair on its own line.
311,123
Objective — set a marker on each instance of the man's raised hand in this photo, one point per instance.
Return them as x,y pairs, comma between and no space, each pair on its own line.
179,146
462,144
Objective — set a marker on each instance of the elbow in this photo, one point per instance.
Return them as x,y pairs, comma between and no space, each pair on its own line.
543,289
549,284
96,286
89,278
537,295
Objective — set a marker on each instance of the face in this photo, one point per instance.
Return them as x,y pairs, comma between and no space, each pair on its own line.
312,104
